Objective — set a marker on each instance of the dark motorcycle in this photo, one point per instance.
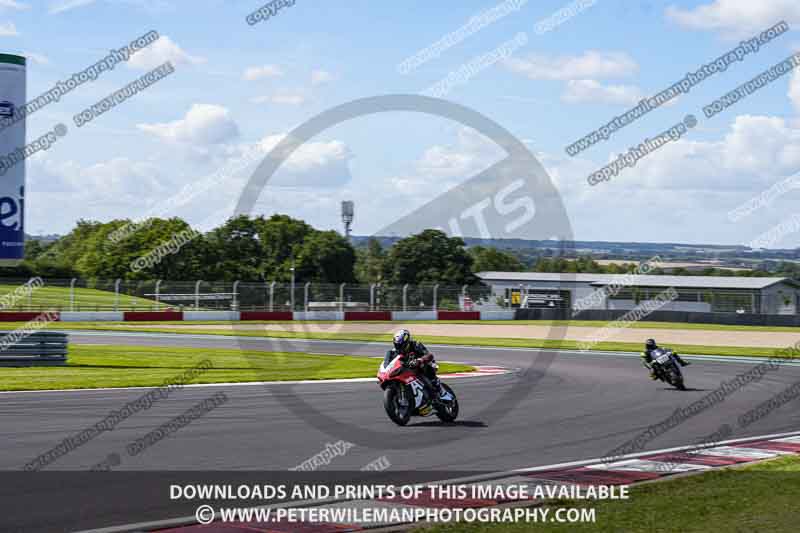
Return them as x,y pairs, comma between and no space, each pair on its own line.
666,368
407,393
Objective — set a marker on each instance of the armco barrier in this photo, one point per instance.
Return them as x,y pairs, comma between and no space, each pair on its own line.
319,315
91,316
368,315
413,315
37,348
152,316
19,316
497,315
266,315
458,315
230,316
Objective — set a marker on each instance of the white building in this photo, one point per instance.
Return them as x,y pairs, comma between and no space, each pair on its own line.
625,291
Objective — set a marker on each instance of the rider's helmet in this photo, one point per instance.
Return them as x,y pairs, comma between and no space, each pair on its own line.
650,344
402,340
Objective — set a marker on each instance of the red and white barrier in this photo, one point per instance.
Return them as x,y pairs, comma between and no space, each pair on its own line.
236,316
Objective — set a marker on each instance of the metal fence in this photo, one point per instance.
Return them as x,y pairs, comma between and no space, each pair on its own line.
122,295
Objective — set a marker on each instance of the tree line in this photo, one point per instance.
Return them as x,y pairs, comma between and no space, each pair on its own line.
266,249
252,249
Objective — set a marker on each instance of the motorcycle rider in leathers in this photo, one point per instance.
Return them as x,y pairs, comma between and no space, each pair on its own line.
416,355
647,357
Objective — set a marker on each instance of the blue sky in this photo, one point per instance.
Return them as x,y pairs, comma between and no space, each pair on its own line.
238,86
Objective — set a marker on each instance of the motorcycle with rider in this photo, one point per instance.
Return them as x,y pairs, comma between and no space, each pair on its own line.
408,378
664,364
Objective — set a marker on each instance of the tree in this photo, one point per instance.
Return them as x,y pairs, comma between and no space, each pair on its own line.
107,258
281,237
487,259
33,248
370,262
243,248
325,257
429,257
235,250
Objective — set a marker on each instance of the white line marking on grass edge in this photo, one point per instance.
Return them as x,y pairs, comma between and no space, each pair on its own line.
192,520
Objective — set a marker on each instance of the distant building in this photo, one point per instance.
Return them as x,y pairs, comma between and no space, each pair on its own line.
721,294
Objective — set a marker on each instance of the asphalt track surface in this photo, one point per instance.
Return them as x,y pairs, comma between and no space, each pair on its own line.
580,406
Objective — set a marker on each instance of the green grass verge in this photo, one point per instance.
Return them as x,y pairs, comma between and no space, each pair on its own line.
552,344
94,366
759,497
47,297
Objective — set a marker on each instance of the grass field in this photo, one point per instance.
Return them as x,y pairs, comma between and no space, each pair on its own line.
48,297
92,366
759,497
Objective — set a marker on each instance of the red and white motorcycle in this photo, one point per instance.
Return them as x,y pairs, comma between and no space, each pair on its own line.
407,393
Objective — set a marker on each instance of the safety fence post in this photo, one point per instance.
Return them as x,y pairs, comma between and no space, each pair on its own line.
116,294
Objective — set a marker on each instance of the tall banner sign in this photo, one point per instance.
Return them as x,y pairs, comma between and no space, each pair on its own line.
12,166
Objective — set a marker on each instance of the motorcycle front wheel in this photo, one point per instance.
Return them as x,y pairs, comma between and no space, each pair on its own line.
448,411
393,398
678,382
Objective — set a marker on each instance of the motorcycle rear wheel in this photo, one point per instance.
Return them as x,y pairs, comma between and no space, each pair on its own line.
391,402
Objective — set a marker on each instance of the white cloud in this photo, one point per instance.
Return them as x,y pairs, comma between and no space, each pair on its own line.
755,151
264,71
67,5
204,124
469,155
288,97
161,51
684,186
794,90
443,166
123,177
593,92
8,29
313,164
282,97
318,77
118,180
115,188
13,4
593,64
736,18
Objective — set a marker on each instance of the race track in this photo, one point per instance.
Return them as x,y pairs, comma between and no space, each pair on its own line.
571,406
